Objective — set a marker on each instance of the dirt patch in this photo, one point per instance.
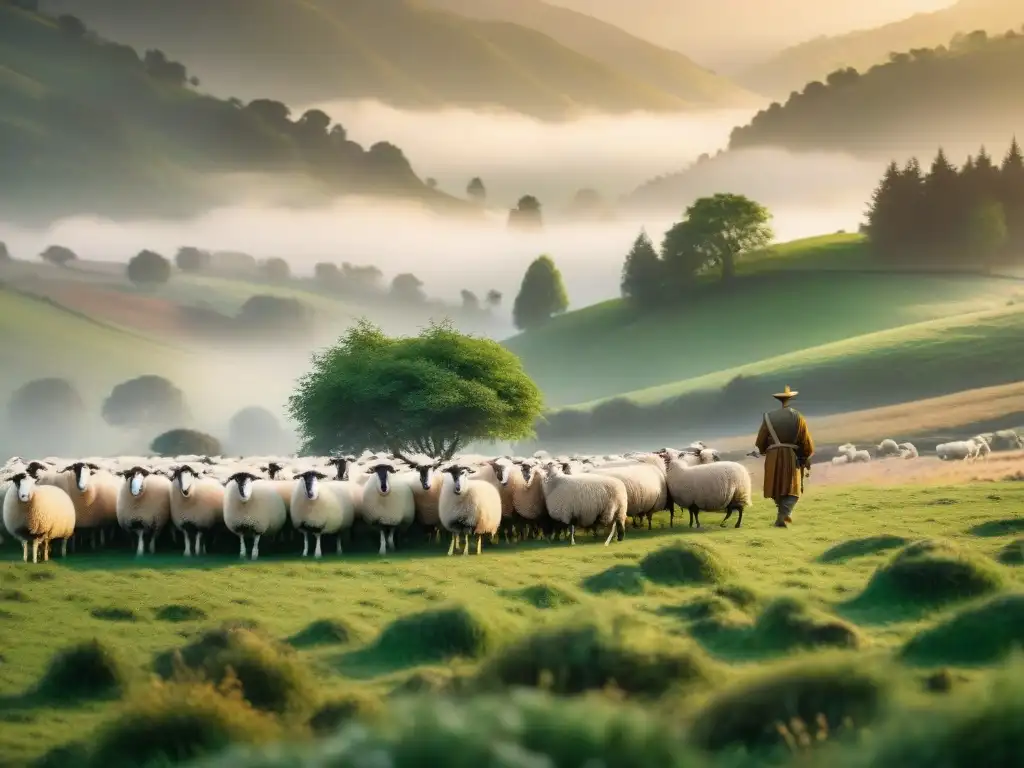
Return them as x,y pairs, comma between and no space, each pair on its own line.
147,314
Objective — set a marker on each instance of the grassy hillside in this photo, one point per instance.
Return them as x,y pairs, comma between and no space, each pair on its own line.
88,127
666,69
397,51
964,95
798,65
816,292
700,640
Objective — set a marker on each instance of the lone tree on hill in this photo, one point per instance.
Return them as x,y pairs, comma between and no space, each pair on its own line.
149,268
476,190
191,259
143,402
541,295
642,273
276,270
254,430
526,215
716,231
494,297
46,416
177,442
58,255
470,301
432,393
408,288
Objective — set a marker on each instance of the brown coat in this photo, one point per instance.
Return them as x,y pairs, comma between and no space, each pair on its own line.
781,476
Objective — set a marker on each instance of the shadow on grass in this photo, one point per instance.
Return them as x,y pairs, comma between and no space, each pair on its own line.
992,528
847,550
541,596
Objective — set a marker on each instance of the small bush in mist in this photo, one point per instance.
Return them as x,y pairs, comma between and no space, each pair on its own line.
255,430
265,315
58,255
407,288
148,268
276,270
190,259
176,442
46,416
145,401
541,295
527,215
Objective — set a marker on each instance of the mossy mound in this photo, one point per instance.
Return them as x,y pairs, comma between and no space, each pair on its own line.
341,709
870,545
934,572
271,676
89,670
113,614
837,688
176,723
542,596
1012,553
980,634
684,563
445,633
625,579
324,632
176,613
589,653
788,623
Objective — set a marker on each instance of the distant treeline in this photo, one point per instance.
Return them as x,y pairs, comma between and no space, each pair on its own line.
971,218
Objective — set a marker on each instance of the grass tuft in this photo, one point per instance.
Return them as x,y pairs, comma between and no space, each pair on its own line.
542,596
89,670
1012,553
626,579
178,613
869,545
324,632
979,634
445,633
685,563
353,705
113,614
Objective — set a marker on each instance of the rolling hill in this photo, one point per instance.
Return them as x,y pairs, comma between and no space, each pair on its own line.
396,51
957,97
666,69
811,60
88,127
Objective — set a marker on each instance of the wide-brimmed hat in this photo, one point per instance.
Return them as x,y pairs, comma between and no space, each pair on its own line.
788,393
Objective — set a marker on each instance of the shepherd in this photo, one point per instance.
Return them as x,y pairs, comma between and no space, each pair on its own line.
787,446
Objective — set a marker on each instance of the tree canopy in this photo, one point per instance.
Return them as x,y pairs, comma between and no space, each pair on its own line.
177,442
432,393
541,295
149,268
642,273
526,215
192,259
255,430
145,401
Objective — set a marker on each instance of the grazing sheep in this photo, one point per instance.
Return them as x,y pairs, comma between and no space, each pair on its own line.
318,509
528,498
957,450
37,514
585,501
843,458
1007,439
646,488
860,457
887,448
984,449
908,451
468,507
426,493
197,506
94,497
144,505
709,487
387,505
252,507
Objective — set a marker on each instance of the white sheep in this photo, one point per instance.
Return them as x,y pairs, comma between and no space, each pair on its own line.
386,505
252,507
37,514
320,508
585,501
709,455
468,507
646,488
708,487
843,458
144,505
93,491
528,497
957,450
888,447
197,506
426,492
908,451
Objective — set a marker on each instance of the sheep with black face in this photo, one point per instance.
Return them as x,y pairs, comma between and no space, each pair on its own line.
386,505
144,505
252,507
320,508
468,507
197,506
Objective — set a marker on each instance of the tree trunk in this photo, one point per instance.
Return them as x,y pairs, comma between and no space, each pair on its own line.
728,267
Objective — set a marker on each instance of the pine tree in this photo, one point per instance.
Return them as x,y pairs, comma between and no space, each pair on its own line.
541,295
944,204
884,215
1011,194
642,273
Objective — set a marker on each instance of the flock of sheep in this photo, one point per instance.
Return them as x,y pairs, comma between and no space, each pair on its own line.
977,447
196,496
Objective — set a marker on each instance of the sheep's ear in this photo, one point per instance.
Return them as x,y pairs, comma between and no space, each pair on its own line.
371,471
296,477
319,475
264,469
68,468
93,467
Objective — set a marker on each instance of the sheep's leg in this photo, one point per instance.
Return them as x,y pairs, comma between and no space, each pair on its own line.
140,550
24,551
64,548
200,548
728,514
241,546
255,546
611,533
391,539
152,542
696,514
339,542
572,535
739,521
46,550
451,547
317,552
188,545
671,516
479,543
103,537
383,544
35,550
305,544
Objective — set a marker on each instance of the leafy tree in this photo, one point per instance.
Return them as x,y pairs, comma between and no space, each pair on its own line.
476,191
177,442
255,430
720,228
190,259
46,416
266,315
526,215
406,287
470,302
72,26
58,255
432,393
145,401
986,231
161,68
277,270
149,268
327,273
643,273
541,295
494,297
